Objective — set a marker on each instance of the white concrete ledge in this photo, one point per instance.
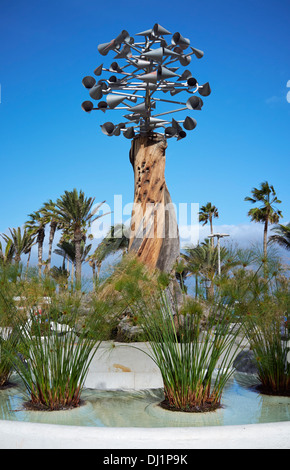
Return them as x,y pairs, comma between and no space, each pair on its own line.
19,435
127,368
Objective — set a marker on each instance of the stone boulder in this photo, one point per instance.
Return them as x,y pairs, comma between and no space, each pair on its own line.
245,362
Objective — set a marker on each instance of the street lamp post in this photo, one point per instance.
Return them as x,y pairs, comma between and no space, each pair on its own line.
219,236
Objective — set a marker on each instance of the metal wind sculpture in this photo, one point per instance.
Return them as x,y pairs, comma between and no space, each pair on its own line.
147,70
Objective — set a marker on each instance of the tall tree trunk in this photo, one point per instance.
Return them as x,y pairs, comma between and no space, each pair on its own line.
78,259
72,276
28,259
40,240
27,263
211,231
53,226
93,266
265,247
265,239
99,265
154,233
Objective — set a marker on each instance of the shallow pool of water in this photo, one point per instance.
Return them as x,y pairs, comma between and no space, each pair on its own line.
241,405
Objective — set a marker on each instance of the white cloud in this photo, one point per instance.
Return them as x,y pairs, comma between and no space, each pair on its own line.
242,234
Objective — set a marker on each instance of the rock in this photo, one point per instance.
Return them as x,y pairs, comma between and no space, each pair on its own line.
127,333
245,362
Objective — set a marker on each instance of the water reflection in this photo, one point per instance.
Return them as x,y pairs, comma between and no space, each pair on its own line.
241,405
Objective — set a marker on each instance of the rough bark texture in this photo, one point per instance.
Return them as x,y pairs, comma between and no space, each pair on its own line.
154,231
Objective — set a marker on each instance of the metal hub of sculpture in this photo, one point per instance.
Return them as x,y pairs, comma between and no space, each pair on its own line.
136,85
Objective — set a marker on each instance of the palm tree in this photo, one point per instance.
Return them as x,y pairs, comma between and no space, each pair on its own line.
49,217
73,210
114,241
60,275
7,254
203,260
282,236
35,225
266,213
21,241
67,249
96,259
206,214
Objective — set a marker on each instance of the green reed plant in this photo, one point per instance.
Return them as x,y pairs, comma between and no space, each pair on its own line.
54,348
270,342
8,348
264,302
54,363
195,358
8,341
193,352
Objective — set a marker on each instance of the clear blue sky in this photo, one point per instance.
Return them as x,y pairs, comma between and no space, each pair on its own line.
48,144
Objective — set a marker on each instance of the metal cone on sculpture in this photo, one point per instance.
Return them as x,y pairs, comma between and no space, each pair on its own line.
174,91
191,82
102,105
140,64
129,133
98,70
117,130
185,60
189,123
154,120
123,36
87,106
194,102
199,54
106,47
114,100
158,30
132,117
163,73
148,32
185,75
204,90
114,67
176,125
149,77
179,40
181,135
140,108
124,53
88,82
96,92
170,131
170,52
156,54
108,128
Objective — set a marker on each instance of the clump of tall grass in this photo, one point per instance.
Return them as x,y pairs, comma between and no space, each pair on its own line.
270,341
54,360
8,347
8,341
194,355
262,297
195,358
53,350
